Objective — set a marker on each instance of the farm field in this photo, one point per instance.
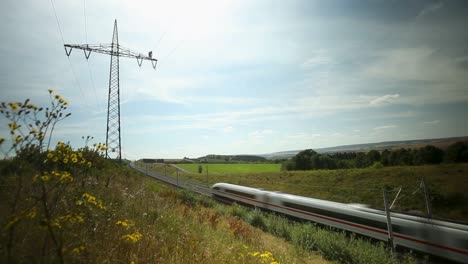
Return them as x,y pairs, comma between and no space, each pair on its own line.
232,168
447,183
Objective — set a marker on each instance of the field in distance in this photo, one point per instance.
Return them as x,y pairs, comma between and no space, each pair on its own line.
447,184
232,168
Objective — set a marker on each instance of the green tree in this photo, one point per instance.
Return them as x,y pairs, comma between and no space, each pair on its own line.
431,154
373,156
458,152
303,159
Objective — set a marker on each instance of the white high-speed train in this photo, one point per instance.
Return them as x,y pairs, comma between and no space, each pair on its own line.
444,239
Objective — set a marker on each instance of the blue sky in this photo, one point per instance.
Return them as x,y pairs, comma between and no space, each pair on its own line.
245,77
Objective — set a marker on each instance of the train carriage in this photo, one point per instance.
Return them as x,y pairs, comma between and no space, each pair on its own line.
440,238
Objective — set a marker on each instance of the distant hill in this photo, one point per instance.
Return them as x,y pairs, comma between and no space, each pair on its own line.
442,143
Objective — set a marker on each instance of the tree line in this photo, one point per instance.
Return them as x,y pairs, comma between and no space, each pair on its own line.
309,159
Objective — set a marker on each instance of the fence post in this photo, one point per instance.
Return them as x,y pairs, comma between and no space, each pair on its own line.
389,221
207,176
427,197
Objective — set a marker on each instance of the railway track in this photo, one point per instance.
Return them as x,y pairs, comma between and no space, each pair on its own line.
189,185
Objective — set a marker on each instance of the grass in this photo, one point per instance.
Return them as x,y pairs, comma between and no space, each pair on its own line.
232,168
144,221
447,184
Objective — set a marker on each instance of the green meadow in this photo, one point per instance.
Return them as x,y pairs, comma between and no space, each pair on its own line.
232,168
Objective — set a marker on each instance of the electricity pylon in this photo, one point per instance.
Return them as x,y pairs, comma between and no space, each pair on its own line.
113,104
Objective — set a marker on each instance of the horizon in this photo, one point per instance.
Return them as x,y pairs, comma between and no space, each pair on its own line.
244,77
298,150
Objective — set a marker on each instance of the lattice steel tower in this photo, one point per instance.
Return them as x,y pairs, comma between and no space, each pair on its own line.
113,138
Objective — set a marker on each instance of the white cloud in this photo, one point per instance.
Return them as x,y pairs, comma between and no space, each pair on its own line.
261,133
430,8
385,127
385,99
228,129
317,60
433,122
302,136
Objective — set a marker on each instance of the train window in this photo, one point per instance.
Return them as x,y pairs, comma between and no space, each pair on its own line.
403,230
241,194
461,243
341,216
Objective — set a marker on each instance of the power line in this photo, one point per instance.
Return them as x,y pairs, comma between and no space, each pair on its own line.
85,26
77,83
98,104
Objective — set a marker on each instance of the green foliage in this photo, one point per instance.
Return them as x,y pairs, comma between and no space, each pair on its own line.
458,152
256,219
377,165
310,160
187,197
238,211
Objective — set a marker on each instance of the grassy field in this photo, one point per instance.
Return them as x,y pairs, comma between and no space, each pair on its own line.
129,219
232,168
448,185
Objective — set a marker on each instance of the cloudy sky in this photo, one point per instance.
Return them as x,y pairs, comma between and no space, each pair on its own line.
245,77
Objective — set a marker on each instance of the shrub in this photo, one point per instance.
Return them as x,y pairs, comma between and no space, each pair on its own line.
238,211
256,219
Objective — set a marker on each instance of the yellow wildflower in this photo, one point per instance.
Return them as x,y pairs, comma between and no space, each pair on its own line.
92,200
65,160
12,126
50,155
78,249
124,223
45,178
18,139
14,106
65,176
32,213
51,91
133,237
